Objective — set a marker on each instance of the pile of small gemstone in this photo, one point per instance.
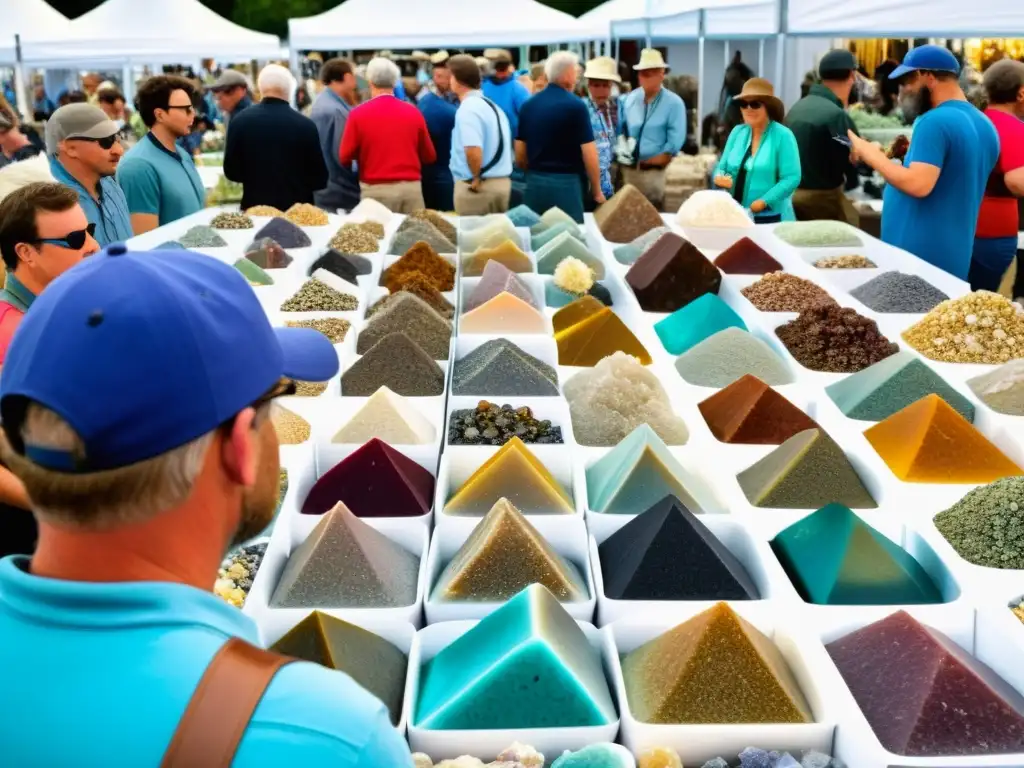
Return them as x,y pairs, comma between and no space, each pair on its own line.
491,424
237,572
231,221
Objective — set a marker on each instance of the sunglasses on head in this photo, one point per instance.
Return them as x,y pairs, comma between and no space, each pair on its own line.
751,104
105,143
72,240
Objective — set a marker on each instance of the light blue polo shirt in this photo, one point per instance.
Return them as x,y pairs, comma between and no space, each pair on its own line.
109,213
158,181
476,125
98,675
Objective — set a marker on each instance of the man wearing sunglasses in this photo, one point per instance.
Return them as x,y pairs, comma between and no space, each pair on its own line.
84,150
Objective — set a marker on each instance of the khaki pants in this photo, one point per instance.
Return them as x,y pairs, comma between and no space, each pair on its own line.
651,182
398,196
491,197
824,205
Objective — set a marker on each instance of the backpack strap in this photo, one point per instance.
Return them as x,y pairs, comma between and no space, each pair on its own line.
501,139
222,706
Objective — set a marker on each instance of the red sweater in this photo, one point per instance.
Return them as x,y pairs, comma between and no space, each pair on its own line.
389,139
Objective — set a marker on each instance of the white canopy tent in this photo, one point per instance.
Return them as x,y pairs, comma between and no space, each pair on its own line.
910,18
27,18
367,24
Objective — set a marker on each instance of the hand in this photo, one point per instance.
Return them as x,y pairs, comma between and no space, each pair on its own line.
599,197
474,185
723,181
758,205
861,149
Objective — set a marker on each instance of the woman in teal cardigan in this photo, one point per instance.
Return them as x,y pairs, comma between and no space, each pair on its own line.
760,164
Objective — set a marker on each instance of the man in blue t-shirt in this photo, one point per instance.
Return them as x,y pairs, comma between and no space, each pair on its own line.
142,475
932,200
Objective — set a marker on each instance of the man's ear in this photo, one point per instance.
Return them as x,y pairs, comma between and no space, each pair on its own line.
26,253
240,449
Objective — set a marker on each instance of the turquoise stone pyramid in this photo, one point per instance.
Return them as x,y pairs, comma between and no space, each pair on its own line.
523,216
562,247
539,240
635,474
833,557
525,665
690,325
890,385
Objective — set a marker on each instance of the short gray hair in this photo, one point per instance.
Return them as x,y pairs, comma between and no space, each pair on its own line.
1003,81
559,63
383,73
276,78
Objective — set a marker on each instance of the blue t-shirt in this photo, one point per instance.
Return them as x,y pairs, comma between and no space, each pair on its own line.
477,124
109,213
439,115
554,124
98,675
158,181
509,94
960,141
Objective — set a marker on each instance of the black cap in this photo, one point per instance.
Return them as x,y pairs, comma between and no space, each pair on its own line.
837,60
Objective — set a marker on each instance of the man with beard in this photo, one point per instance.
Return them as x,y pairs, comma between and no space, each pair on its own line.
158,176
932,199
159,458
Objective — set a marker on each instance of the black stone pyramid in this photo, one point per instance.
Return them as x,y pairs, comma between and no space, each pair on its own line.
344,265
667,553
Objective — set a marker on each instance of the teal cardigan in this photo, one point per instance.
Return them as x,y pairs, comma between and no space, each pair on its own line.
773,174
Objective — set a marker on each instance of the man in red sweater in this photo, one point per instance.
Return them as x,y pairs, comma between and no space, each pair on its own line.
389,140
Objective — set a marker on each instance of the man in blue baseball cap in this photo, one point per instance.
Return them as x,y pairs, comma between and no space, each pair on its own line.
135,401
931,201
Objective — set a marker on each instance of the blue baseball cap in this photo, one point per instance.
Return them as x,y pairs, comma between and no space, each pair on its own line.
141,353
933,57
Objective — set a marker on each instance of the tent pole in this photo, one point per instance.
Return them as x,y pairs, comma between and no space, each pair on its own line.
760,57
727,60
647,22
700,79
780,52
20,97
128,82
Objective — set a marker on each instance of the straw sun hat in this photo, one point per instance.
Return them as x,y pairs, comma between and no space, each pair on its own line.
602,68
759,89
651,58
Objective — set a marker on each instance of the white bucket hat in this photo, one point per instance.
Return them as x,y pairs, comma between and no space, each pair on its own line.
651,58
602,68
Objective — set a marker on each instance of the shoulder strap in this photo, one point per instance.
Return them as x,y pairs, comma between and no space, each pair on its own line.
501,139
212,727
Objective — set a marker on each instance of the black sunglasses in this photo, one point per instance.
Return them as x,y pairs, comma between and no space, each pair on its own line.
188,108
751,104
105,143
72,240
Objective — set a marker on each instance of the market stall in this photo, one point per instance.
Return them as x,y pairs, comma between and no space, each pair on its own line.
699,409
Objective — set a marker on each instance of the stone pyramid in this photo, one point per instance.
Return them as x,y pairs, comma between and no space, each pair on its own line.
586,332
395,362
929,442
253,273
285,233
420,260
415,318
498,278
338,264
925,696
505,313
371,210
539,240
499,367
291,428
636,474
266,253
375,481
1002,390
523,216
515,474
807,471
671,274
344,563
631,251
745,257
507,253
420,287
890,385
496,230
503,555
715,668
563,247
556,298
750,412
690,325
369,659
833,557
627,215
438,219
525,665
554,216
729,355
202,236
388,417
414,231
667,553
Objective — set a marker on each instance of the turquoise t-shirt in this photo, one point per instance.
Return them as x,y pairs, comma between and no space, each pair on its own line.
98,676
158,181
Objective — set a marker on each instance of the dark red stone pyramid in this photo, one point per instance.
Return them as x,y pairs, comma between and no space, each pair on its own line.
672,273
749,412
745,257
667,553
375,481
924,695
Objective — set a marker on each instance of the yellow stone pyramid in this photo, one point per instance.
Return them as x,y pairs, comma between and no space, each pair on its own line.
586,332
506,252
505,313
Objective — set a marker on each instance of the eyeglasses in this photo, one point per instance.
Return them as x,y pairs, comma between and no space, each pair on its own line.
283,388
751,104
74,241
105,143
187,108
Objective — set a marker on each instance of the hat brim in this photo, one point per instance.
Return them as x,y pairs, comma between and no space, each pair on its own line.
101,130
602,76
900,71
776,109
642,67
308,354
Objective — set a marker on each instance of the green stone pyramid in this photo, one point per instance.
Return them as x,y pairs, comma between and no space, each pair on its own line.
562,247
890,385
525,665
690,325
635,474
807,471
833,557
253,273
545,236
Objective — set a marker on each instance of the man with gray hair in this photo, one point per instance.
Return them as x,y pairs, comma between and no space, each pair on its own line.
389,139
273,150
555,143
231,94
